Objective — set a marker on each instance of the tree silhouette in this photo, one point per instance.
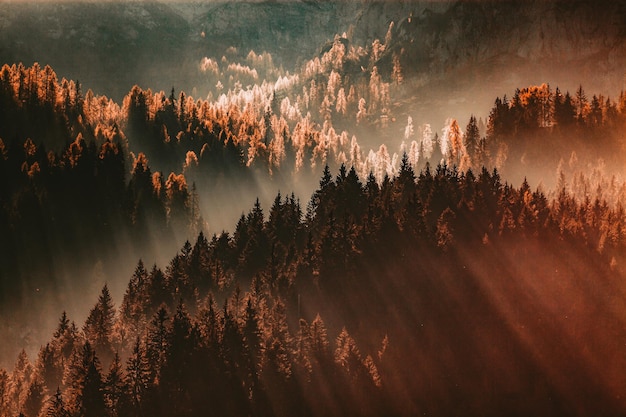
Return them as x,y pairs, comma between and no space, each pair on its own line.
99,324
84,381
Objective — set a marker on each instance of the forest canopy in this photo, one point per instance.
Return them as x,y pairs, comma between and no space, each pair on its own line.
235,323
405,267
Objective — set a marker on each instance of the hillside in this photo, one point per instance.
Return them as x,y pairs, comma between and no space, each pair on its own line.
448,44
385,299
317,208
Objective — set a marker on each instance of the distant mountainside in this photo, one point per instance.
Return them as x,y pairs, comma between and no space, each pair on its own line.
106,46
566,41
111,46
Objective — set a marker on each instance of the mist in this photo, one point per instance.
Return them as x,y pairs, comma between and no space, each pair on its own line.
160,122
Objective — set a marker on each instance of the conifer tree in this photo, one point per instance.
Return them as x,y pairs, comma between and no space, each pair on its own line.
445,229
199,263
115,389
4,392
157,290
84,382
472,139
98,327
347,354
34,397
56,406
132,315
139,379
49,366
19,383
157,342
179,281
65,337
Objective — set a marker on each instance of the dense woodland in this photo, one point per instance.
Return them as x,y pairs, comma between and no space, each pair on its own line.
416,281
86,167
408,267
415,268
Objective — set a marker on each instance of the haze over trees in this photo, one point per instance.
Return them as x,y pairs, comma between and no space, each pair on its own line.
303,241
236,322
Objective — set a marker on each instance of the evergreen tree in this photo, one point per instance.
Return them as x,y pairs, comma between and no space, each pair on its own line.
199,264
49,366
19,383
134,305
4,392
84,382
582,105
445,229
98,327
564,110
65,338
157,342
472,140
34,397
251,334
115,389
179,281
139,379
157,290
56,406
255,251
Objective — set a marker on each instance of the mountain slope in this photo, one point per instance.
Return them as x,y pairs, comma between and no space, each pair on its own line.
160,44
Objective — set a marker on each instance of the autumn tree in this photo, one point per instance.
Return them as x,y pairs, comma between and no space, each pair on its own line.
19,383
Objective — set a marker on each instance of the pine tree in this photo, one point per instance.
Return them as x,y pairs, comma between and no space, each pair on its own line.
84,382
35,397
134,304
56,406
65,338
157,290
445,229
347,354
199,263
49,366
472,139
179,281
302,346
19,383
252,353
177,379
157,343
255,252
276,365
139,378
178,199
115,389
98,327
564,109
4,392
582,105
454,150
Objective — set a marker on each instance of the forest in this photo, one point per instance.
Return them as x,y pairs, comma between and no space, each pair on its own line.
418,268
294,243
383,295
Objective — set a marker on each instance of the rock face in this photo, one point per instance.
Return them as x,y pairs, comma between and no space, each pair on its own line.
106,46
567,41
111,46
